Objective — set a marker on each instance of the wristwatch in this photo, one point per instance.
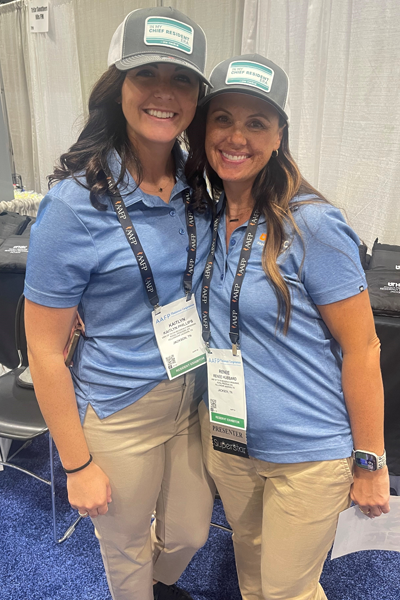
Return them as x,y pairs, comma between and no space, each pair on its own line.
369,460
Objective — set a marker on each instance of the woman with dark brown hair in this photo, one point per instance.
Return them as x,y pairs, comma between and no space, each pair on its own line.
118,240
294,425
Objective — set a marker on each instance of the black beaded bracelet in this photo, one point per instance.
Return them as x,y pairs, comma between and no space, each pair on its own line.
79,468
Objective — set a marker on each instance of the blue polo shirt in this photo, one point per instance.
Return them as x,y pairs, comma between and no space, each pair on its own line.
80,256
295,405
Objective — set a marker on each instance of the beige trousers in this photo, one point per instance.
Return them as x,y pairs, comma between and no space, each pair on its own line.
283,518
151,451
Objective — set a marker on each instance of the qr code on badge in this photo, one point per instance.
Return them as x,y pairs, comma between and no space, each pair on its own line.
171,362
213,405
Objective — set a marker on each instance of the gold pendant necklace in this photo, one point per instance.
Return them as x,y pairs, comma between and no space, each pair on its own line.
160,189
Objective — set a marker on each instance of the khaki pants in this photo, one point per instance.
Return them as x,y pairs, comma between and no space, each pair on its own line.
151,451
283,517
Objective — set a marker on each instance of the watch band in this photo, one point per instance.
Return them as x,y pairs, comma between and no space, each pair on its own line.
380,461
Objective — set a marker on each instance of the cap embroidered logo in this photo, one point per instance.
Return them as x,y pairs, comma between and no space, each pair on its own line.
161,31
250,73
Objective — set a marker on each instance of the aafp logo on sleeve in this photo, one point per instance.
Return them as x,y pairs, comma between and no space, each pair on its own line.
243,72
161,31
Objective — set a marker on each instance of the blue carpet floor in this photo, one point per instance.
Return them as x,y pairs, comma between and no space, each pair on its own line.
32,567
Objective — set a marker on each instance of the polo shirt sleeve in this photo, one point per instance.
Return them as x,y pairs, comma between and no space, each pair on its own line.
61,256
332,269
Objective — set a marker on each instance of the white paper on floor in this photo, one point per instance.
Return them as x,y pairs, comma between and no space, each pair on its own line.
356,531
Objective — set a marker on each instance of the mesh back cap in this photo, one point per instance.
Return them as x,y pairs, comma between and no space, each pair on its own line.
159,34
251,74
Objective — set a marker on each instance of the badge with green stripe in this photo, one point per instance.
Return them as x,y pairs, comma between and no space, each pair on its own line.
243,72
161,31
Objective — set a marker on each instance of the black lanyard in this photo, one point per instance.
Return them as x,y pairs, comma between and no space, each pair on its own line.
249,237
191,259
140,255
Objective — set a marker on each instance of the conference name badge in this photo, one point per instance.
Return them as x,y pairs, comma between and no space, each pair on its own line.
227,402
178,334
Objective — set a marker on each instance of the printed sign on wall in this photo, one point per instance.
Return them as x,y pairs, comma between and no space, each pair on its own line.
39,16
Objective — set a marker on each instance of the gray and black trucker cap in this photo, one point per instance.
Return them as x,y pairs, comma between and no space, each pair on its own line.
159,34
251,74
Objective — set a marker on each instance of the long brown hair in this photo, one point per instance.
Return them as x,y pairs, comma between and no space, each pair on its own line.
105,130
273,189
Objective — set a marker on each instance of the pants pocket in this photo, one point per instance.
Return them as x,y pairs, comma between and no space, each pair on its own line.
347,467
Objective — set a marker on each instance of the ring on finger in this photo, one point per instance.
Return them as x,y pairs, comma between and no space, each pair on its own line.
365,512
85,514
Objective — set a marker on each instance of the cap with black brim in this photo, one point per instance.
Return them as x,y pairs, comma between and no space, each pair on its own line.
138,60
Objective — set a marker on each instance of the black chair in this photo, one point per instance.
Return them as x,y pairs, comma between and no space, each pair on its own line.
20,416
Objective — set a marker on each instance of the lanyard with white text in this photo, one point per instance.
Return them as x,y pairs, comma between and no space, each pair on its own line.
141,258
237,284
207,277
249,237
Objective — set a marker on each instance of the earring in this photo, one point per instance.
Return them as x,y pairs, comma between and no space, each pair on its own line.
276,153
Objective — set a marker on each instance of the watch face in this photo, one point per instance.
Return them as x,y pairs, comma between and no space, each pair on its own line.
366,461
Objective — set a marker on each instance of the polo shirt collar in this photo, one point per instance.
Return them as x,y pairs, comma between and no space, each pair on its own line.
132,194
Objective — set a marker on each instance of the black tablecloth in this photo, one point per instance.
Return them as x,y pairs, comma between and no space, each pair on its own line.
14,243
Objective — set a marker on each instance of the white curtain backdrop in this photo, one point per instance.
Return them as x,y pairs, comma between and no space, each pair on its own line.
13,59
48,76
55,87
343,61
342,57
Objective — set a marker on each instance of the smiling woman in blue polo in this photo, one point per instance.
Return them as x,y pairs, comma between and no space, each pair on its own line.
292,423
118,241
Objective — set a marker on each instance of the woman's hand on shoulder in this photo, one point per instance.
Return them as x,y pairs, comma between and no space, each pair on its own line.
89,490
371,491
